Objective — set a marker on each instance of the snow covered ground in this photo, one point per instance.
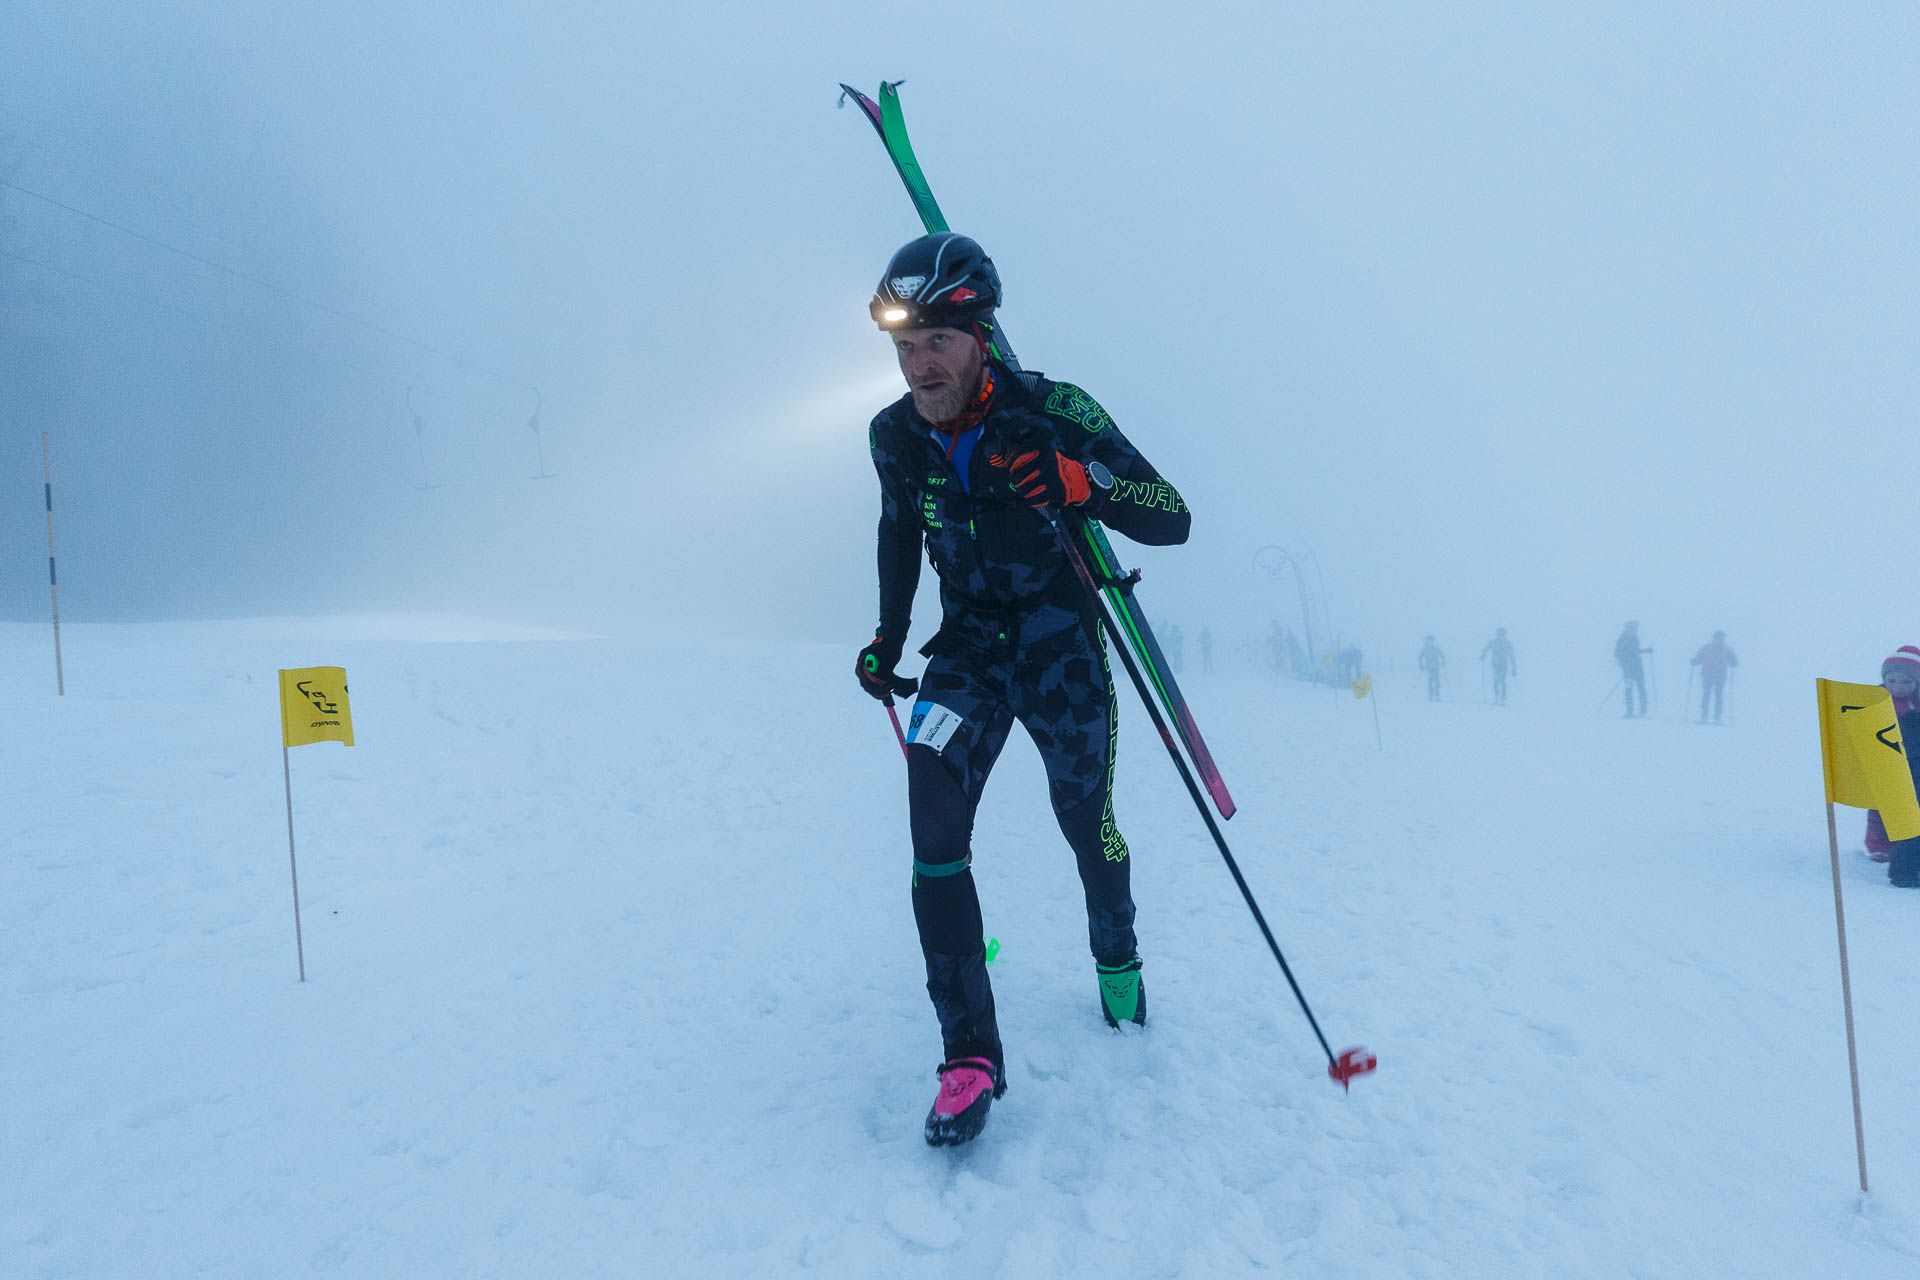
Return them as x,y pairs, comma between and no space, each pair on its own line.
611,973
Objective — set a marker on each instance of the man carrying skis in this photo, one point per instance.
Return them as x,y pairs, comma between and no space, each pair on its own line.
978,462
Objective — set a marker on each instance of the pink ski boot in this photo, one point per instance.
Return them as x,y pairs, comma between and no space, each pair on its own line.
968,1087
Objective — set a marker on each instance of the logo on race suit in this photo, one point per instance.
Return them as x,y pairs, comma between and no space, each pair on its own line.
904,287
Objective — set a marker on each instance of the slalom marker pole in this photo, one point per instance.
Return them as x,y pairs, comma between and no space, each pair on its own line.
1846,999
1343,1066
53,574
293,866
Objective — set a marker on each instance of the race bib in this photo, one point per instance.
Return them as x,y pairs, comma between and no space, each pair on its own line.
932,725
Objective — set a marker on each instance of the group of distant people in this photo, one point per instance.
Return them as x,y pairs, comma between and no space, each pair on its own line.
1715,661
1498,654
1177,649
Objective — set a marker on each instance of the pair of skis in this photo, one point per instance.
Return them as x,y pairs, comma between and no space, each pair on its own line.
1084,540
1087,549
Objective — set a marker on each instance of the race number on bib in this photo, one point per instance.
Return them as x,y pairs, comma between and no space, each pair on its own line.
932,725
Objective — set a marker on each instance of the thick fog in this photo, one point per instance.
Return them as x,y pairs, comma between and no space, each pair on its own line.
1504,317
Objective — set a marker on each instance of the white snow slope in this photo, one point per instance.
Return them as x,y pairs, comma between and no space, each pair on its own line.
611,972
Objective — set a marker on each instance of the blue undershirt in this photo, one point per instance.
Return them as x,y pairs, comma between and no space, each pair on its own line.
962,453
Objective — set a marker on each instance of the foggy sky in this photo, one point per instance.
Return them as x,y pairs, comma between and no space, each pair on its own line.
1544,320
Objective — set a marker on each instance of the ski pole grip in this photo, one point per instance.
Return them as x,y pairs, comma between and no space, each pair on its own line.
903,686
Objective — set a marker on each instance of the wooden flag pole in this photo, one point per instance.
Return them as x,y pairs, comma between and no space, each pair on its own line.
1846,998
300,947
53,577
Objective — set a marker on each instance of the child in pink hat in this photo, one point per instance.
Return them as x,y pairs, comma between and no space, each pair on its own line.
1900,676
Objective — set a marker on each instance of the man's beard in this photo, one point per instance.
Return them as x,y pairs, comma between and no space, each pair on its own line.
943,404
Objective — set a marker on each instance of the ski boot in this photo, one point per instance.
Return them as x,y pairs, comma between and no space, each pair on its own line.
1123,997
968,1087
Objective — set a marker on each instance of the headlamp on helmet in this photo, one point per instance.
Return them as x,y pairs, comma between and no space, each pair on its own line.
943,281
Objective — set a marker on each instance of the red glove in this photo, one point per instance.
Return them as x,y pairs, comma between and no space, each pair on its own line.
1046,479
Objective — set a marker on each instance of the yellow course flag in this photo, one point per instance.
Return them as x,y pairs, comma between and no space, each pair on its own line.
1363,686
313,706
1865,759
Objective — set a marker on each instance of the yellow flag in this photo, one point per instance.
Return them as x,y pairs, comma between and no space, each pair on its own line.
1866,761
313,706
1363,686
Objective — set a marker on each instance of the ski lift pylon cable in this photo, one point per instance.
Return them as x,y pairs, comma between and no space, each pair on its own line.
533,425
420,439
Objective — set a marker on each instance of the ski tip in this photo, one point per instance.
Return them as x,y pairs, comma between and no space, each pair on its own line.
1356,1061
1217,788
867,104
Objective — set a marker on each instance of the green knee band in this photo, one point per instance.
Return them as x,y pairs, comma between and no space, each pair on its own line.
939,869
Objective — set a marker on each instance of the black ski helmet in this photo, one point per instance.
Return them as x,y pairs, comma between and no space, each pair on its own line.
943,281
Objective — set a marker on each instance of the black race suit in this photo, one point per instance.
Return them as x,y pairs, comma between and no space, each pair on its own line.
1017,641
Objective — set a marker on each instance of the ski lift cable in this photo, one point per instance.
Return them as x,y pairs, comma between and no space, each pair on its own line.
249,334
174,208
268,285
201,222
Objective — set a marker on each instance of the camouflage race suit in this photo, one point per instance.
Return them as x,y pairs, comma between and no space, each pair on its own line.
1017,641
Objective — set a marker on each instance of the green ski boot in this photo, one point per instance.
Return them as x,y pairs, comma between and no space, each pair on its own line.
1123,997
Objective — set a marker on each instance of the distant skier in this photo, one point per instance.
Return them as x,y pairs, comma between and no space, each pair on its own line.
968,462
1900,676
1177,649
1350,663
1499,655
1431,662
1206,650
1714,661
1633,674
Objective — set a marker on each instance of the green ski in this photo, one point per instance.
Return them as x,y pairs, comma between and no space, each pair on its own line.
1098,565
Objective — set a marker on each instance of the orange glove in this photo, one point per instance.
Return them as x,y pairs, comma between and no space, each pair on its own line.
1046,479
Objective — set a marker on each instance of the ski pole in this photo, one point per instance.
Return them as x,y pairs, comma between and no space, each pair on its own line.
1348,1063
1609,696
895,717
1686,699
906,687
